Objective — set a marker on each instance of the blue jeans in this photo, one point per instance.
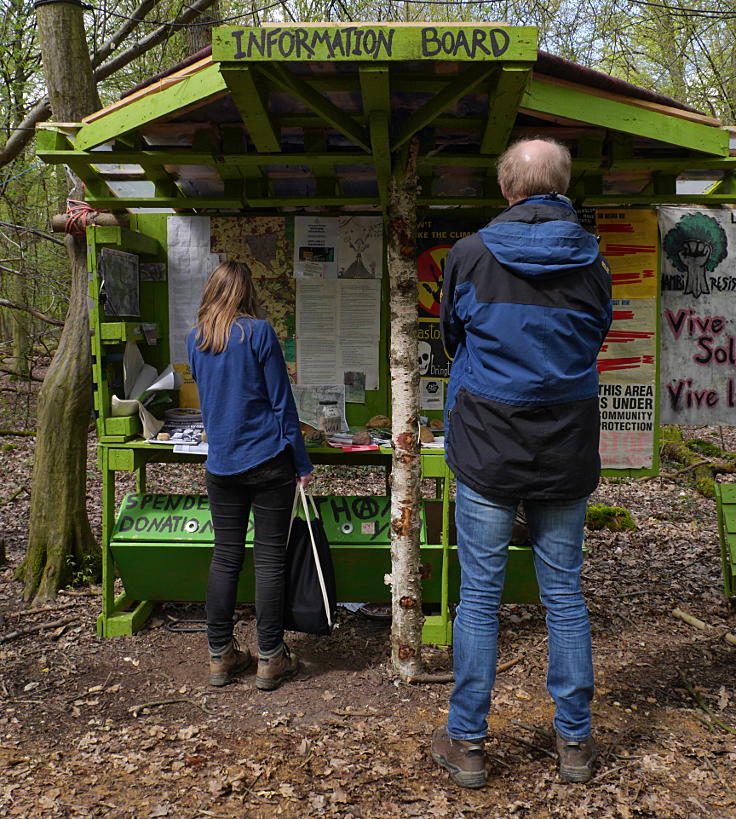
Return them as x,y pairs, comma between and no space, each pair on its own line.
483,534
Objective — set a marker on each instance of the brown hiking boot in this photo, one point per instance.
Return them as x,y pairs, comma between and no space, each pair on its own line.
463,758
275,670
576,758
228,663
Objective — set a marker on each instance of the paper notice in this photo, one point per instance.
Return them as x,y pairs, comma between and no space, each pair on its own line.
431,393
315,247
337,329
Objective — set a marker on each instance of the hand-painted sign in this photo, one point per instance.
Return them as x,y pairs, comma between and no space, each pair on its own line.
698,372
627,360
375,42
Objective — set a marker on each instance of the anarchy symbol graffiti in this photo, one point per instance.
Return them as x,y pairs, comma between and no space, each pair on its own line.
365,508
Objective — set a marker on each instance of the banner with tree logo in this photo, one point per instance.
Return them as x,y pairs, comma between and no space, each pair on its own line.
698,369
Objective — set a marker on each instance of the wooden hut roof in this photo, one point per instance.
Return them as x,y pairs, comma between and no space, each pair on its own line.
279,117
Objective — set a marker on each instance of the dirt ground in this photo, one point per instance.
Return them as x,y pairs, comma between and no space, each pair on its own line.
128,726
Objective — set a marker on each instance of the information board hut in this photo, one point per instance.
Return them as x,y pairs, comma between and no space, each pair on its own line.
382,139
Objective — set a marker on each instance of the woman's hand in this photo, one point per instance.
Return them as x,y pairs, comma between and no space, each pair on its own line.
305,480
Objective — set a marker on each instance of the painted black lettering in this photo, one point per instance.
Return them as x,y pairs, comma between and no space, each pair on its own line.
386,41
159,502
356,47
380,530
287,49
253,43
448,43
324,38
206,527
141,524
203,502
365,508
166,524
337,43
478,45
172,502
239,53
126,524
369,43
272,39
155,524
461,41
338,510
302,44
430,42
189,502
499,41
146,500
131,502
177,519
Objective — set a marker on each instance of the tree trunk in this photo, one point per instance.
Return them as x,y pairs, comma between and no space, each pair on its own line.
406,629
60,543
20,360
199,35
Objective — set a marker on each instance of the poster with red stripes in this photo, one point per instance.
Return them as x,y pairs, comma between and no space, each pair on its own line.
629,242
698,369
627,360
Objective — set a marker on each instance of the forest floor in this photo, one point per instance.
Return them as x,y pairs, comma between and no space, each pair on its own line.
129,727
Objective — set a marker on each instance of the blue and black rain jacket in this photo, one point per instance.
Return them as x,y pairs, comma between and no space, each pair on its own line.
526,305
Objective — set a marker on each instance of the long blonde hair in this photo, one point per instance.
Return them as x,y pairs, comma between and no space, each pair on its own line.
228,295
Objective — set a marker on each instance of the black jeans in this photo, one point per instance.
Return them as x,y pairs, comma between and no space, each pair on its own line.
269,489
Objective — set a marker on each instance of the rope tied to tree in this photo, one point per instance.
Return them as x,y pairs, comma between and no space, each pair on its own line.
78,213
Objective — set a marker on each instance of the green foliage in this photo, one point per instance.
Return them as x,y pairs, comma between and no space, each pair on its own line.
9,447
615,518
81,574
698,228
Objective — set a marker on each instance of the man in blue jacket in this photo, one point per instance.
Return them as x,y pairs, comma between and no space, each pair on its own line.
525,309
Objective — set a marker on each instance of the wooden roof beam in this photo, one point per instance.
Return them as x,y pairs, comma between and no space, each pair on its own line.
252,104
326,109
569,104
376,95
196,89
452,92
505,91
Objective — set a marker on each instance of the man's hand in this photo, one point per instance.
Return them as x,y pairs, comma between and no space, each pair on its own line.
305,480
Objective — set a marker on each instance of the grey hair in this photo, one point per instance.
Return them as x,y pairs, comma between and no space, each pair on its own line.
519,177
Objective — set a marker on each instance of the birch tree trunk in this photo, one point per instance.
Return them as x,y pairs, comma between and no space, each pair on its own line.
60,542
406,628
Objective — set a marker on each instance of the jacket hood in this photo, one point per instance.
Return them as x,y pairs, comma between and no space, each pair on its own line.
540,237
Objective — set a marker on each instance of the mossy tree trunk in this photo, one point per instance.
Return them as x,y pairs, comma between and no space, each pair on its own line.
60,542
406,629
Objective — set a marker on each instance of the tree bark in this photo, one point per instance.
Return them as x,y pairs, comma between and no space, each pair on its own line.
60,542
406,629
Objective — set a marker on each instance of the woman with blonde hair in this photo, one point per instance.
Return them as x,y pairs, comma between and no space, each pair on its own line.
256,454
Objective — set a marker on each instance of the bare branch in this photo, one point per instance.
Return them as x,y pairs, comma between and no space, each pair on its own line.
37,232
14,305
24,132
158,36
106,49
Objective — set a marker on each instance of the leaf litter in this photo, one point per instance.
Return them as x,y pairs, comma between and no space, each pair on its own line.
346,739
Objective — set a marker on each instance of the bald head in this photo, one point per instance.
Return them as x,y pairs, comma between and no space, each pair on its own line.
533,166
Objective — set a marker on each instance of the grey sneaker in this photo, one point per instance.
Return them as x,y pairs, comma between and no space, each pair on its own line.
463,758
275,670
228,663
576,758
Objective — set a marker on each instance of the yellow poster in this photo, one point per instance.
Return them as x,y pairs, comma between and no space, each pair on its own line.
629,241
